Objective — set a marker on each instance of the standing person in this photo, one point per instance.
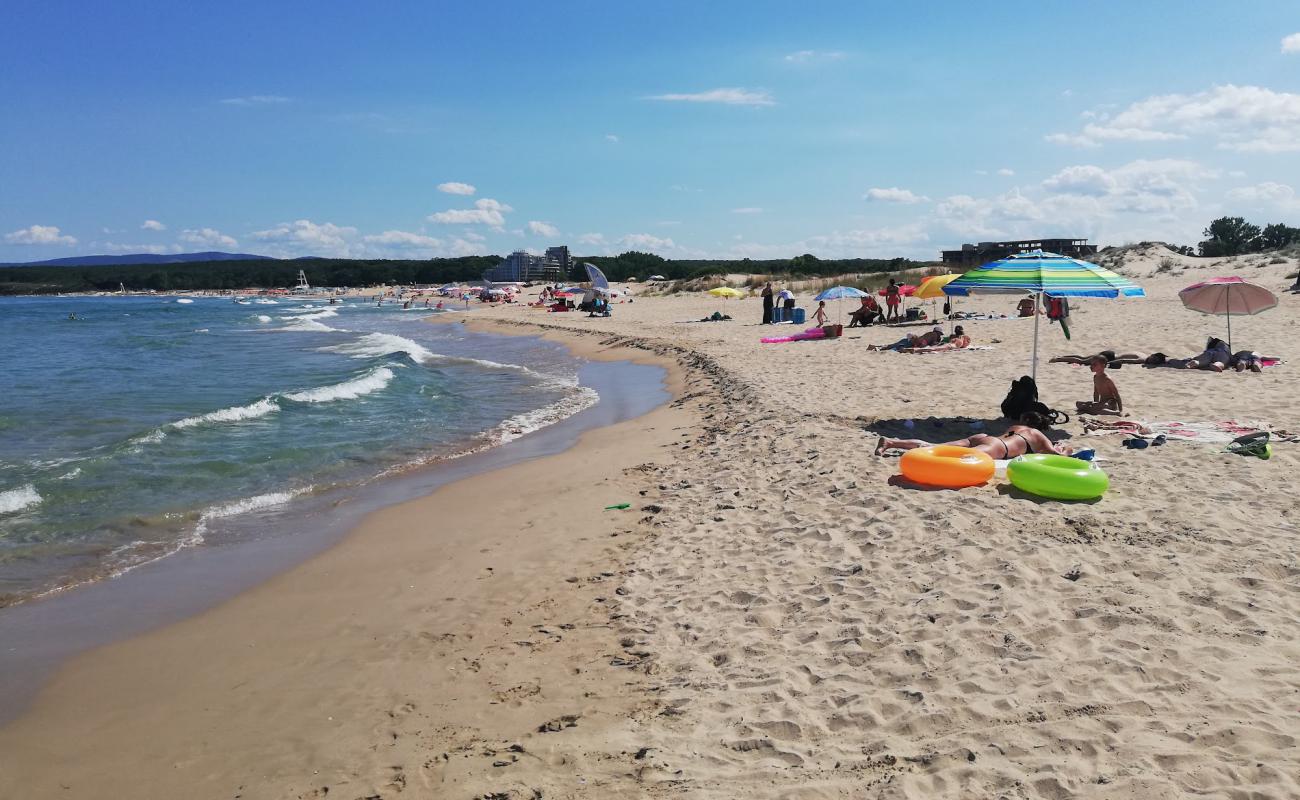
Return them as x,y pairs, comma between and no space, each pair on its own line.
819,316
767,304
892,299
787,302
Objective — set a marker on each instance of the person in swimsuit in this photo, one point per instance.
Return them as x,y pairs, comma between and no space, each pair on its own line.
819,316
1105,394
892,300
1016,441
930,338
1111,356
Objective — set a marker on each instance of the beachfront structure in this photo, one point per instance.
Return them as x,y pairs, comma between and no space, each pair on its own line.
558,258
973,255
523,267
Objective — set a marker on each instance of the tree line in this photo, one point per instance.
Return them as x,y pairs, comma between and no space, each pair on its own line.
269,274
1234,236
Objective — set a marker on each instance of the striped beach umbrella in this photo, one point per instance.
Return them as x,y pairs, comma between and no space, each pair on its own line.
1042,273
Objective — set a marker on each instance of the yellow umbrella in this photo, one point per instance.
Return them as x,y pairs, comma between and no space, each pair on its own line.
726,291
932,287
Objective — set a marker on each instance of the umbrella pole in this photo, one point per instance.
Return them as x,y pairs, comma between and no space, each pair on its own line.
1033,369
1229,326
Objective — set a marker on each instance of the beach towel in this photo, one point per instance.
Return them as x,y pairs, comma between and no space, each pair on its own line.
929,350
1206,432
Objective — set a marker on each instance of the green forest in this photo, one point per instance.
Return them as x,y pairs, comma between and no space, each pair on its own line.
268,274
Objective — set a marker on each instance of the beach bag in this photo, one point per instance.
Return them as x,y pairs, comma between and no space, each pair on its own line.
1023,399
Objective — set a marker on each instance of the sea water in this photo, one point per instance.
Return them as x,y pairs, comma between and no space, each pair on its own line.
134,427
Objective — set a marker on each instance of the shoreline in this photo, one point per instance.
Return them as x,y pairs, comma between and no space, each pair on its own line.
65,704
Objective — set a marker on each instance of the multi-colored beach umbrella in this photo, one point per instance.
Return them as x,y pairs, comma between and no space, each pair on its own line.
1041,274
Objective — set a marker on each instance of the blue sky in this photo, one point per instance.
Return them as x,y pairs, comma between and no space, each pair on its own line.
690,129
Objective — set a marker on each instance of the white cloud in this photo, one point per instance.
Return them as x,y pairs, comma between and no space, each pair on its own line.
154,249
304,237
1291,44
894,195
402,239
1143,199
1267,194
486,211
543,228
456,187
207,237
731,97
400,244
646,241
153,225
611,137
256,100
591,239
1242,118
805,56
40,234
747,210
1006,172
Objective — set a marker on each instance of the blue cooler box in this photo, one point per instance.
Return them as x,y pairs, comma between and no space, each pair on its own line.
778,314
798,316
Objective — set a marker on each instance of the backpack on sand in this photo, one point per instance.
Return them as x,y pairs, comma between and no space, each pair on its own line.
1023,399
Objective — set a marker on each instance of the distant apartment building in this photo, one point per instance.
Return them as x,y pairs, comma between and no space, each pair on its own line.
558,258
973,255
523,267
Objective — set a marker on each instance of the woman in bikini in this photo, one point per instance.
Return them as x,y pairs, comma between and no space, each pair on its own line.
1018,440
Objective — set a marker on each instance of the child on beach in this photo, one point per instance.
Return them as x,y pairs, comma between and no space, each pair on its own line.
1105,394
819,316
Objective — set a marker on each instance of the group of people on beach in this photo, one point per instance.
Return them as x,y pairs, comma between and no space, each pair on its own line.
1216,357
868,313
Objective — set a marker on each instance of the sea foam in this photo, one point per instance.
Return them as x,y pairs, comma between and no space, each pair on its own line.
18,499
373,345
372,381
233,414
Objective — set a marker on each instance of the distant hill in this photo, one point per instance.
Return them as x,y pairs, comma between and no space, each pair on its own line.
140,258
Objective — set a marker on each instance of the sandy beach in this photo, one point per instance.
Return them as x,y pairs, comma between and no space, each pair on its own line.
776,614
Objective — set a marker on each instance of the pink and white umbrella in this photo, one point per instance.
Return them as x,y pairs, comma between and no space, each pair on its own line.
1227,296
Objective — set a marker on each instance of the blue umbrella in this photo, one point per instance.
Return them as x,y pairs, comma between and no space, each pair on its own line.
1043,273
839,293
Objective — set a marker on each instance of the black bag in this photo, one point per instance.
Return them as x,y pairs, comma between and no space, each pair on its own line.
1023,399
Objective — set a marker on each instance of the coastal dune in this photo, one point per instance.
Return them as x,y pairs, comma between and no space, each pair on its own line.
776,614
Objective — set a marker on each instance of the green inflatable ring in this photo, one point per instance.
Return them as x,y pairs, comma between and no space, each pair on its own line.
1057,477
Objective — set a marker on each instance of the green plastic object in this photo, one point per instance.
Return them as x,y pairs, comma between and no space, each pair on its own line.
618,506
1057,477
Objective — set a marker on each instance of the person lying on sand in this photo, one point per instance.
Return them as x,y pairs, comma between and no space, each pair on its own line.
1016,441
957,341
1215,356
1243,360
1105,395
928,339
1111,357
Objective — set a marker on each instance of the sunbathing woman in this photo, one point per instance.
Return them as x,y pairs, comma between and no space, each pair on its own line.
1215,356
1018,440
928,339
1110,355
957,341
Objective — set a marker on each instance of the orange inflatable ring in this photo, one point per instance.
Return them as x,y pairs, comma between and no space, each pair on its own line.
947,465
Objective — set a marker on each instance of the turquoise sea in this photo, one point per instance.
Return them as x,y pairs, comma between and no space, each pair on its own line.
135,427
